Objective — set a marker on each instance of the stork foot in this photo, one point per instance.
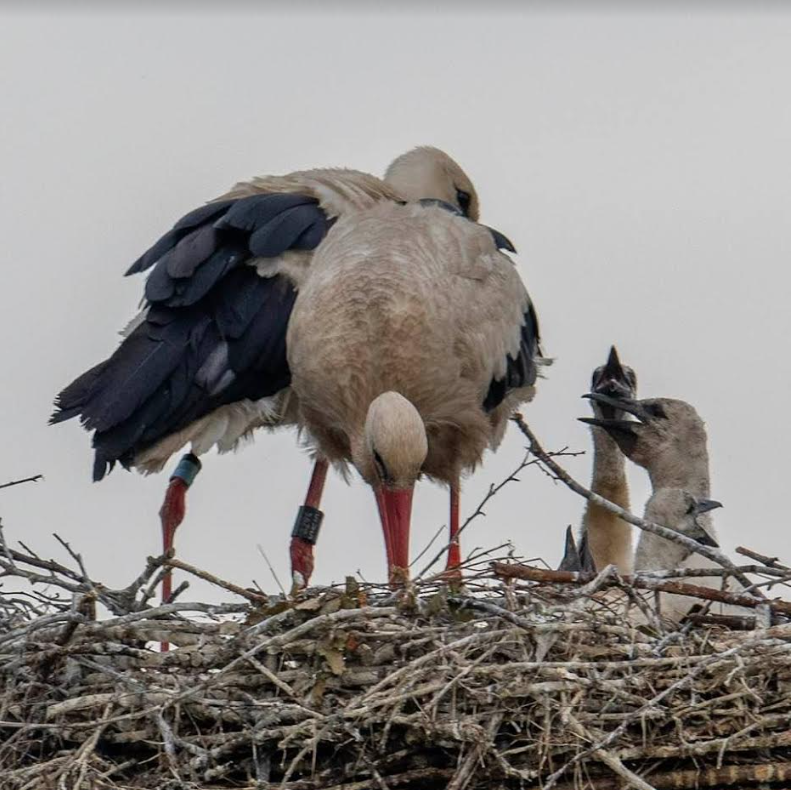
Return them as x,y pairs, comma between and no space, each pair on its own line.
303,539
306,528
301,552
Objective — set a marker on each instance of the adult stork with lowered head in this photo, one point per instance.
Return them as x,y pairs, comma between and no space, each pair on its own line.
411,343
205,361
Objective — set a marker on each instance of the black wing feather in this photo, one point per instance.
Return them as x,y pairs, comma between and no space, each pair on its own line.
192,251
208,244
180,365
501,240
281,232
215,331
251,213
521,370
203,214
179,230
187,292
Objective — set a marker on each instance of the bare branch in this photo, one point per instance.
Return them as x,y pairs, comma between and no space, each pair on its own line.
33,479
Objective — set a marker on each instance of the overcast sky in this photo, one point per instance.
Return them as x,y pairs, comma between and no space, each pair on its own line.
641,162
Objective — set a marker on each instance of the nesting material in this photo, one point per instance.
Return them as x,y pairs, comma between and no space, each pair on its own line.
505,683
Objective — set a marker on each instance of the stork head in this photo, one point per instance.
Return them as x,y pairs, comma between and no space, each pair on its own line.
394,449
666,433
615,380
679,510
427,172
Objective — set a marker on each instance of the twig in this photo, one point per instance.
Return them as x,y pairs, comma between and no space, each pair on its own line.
251,596
640,582
33,479
271,569
770,562
492,492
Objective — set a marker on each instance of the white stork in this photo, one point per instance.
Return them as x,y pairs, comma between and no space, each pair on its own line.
205,362
411,343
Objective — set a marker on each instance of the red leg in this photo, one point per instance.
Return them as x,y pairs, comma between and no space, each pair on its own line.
306,528
454,549
172,512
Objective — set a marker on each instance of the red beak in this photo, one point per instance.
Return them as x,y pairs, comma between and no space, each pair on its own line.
395,512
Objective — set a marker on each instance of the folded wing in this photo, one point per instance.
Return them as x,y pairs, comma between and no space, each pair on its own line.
214,331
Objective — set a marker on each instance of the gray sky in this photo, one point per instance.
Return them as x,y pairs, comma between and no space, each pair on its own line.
640,162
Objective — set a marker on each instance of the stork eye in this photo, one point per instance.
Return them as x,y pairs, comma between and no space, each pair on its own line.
381,469
657,411
463,199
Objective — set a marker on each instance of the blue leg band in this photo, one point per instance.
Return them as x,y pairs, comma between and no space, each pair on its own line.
188,469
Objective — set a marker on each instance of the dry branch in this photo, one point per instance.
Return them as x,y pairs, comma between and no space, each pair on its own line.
33,479
640,582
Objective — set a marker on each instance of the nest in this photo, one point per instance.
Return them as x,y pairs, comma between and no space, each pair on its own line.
520,677
503,682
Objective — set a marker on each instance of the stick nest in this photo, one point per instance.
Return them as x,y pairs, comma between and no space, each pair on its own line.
502,683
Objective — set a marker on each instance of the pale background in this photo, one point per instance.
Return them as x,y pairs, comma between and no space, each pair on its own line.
640,161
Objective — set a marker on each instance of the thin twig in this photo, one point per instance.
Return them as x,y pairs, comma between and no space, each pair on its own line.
641,582
33,479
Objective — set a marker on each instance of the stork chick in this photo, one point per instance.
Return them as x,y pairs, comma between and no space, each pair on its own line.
683,512
689,515
607,536
667,438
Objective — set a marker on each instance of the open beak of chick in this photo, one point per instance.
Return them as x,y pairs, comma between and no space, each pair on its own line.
612,390
613,380
625,432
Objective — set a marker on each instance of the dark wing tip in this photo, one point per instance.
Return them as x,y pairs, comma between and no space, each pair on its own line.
501,240
101,466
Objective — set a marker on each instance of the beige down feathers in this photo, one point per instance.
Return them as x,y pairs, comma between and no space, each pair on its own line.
416,301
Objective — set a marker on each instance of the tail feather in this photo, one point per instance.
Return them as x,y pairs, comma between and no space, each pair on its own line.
71,401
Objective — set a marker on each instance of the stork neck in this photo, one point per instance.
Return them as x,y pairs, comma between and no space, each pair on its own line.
690,472
609,537
609,467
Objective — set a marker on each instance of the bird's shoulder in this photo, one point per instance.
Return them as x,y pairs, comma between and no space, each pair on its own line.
339,191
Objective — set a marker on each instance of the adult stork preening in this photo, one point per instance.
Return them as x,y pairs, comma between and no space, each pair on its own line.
205,362
412,341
